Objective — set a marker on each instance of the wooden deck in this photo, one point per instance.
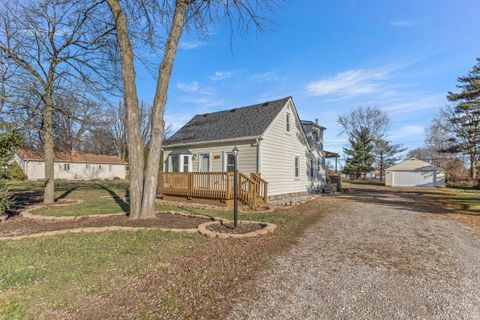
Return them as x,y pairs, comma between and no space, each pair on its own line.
213,185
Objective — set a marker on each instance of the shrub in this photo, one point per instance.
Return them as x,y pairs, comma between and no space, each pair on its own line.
14,172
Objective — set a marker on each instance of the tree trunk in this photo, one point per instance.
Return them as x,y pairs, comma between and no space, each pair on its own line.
49,191
134,138
473,166
158,124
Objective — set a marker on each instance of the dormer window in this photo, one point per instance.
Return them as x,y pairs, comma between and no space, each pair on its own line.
315,135
288,122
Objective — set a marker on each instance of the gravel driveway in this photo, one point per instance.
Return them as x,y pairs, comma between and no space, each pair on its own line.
376,255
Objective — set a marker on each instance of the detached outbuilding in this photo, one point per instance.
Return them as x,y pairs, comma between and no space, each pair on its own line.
415,173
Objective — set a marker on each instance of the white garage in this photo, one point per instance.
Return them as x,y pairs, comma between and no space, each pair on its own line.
415,173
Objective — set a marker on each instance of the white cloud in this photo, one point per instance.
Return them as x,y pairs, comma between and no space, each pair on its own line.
269,76
220,75
189,45
194,87
348,83
203,101
401,23
416,103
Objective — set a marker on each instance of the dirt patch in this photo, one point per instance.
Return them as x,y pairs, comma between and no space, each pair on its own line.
240,229
16,226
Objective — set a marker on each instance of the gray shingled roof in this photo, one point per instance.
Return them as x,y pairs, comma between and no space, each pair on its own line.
248,121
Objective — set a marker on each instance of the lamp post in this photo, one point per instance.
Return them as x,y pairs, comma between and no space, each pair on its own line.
235,187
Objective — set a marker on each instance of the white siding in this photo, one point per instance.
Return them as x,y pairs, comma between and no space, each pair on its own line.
419,178
247,155
35,170
278,151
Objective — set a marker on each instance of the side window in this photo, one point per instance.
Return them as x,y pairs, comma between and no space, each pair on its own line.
288,122
175,163
297,167
66,167
230,162
312,173
318,165
87,166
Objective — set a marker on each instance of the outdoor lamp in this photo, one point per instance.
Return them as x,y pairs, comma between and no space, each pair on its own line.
235,187
235,151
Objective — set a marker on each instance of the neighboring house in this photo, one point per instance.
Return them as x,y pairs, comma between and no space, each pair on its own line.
415,173
272,142
72,166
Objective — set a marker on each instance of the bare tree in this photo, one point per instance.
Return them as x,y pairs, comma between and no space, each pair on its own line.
361,118
174,16
53,46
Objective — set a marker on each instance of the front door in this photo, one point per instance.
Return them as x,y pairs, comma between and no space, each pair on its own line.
204,162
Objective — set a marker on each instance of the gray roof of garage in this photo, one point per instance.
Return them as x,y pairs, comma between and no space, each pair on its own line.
250,121
414,164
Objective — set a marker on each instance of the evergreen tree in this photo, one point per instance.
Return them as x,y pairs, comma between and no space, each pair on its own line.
387,155
360,154
465,116
9,141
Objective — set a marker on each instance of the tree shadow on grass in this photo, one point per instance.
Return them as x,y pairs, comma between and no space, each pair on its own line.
122,202
65,193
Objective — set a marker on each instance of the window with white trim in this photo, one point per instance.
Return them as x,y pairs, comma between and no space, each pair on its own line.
175,163
297,167
66,167
288,125
230,162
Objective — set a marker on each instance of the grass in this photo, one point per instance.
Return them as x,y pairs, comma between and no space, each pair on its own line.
101,197
166,275
107,197
366,182
54,272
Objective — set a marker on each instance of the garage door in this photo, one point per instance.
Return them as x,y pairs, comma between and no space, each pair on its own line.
413,178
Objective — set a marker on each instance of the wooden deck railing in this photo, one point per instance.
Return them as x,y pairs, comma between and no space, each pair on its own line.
212,185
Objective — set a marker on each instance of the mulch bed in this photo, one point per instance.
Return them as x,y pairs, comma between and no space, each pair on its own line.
240,229
17,225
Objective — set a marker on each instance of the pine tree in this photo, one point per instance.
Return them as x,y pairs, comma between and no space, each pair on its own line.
465,118
360,154
9,141
387,155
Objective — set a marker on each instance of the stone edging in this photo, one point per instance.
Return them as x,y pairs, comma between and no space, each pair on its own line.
203,230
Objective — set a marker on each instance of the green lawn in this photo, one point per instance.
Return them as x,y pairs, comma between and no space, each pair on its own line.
467,198
167,275
54,272
108,197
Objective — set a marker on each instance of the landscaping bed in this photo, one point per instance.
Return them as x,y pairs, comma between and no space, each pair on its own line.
18,225
240,229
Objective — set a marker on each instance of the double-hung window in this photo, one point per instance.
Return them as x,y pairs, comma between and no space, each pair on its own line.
297,167
230,165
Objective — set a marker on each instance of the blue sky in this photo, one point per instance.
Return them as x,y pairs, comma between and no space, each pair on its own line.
402,56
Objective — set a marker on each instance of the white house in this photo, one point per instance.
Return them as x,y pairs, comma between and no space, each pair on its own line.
273,143
414,173
72,166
